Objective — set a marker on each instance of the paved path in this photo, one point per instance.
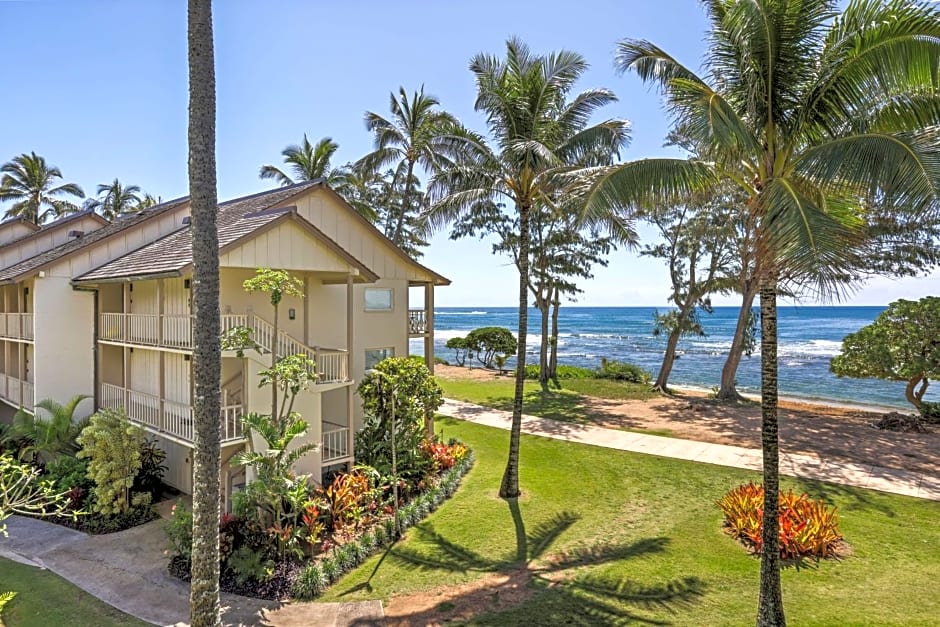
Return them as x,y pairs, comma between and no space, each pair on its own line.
128,570
806,466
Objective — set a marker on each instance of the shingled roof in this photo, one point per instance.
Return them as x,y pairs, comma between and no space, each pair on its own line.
237,219
28,267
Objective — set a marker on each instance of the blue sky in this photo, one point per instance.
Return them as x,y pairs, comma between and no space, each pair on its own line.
99,88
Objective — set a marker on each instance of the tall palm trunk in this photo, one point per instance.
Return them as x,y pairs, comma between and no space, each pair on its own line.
405,199
274,344
207,359
553,359
728,390
509,488
770,603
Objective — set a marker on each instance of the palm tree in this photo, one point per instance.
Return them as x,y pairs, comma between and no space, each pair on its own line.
48,437
148,200
207,355
31,184
307,162
418,134
807,111
114,199
535,131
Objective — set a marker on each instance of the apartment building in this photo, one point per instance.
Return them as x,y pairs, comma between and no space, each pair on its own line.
110,316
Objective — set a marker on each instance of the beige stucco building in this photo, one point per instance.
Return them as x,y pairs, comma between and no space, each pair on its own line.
104,309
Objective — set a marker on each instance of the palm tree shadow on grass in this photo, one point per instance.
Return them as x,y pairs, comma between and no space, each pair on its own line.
603,598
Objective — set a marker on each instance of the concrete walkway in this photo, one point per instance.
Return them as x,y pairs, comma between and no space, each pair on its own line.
805,466
128,571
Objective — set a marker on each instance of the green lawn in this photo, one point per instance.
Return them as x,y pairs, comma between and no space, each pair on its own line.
45,599
636,538
568,404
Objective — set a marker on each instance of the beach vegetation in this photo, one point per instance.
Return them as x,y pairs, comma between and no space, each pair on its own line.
115,199
307,162
460,348
900,345
486,343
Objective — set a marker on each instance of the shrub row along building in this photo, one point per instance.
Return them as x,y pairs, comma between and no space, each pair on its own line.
104,309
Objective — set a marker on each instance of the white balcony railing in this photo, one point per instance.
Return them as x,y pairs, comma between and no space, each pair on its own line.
417,322
17,391
335,445
167,417
16,326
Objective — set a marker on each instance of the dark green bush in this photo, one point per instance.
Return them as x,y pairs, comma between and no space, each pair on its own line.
310,583
150,475
564,372
622,371
930,412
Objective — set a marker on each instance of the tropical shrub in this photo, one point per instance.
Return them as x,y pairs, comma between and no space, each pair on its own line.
807,528
24,492
179,530
149,477
409,388
459,346
622,371
443,456
249,564
111,444
5,597
532,372
486,342
344,502
42,438
70,475
930,412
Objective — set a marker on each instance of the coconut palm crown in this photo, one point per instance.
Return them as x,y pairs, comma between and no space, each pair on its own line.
813,114
114,199
31,184
307,162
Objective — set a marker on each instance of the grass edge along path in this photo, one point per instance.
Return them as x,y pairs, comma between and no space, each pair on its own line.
604,535
43,599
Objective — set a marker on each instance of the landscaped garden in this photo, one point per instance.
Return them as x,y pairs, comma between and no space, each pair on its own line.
602,536
98,475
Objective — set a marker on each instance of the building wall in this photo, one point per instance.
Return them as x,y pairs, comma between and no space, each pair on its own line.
46,240
63,365
234,299
12,231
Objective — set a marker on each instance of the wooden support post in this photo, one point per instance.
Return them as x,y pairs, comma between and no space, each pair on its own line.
160,312
350,423
429,326
306,310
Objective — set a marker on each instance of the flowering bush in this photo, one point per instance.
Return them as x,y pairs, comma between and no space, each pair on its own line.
807,528
443,456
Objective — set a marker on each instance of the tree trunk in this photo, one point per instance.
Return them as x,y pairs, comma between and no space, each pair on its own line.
207,357
509,489
770,603
728,390
274,343
669,358
914,396
553,360
405,198
543,345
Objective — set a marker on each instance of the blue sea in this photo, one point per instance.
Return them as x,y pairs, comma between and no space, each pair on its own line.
808,338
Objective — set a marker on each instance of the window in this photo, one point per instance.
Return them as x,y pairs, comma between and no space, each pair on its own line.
375,355
378,299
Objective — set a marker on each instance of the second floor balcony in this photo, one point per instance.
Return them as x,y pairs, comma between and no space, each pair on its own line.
16,326
175,332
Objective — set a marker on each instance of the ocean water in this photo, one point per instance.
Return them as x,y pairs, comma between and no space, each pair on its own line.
808,338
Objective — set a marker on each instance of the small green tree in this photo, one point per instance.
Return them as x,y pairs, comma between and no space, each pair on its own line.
487,342
112,446
24,492
459,346
902,344
411,388
276,284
